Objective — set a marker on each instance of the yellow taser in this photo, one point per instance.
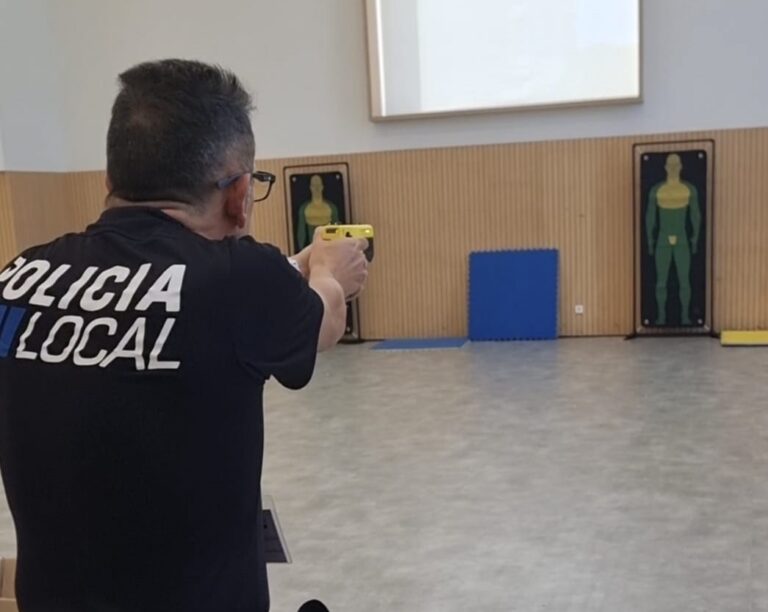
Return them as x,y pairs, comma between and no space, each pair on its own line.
338,232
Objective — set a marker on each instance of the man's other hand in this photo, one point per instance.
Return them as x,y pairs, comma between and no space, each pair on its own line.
344,259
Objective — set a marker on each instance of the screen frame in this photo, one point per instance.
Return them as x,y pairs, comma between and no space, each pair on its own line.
377,103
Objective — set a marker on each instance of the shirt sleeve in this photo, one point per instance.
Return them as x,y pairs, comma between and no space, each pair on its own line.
279,315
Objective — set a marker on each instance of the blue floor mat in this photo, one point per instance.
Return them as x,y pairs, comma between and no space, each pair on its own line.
513,295
419,344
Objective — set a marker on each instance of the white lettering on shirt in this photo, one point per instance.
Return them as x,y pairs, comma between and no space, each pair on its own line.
85,341
9,272
78,358
166,289
89,302
23,281
75,287
22,352
136,334
154,356
130,290
41,298
77,326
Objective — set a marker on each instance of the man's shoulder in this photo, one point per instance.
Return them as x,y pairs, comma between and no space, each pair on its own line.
250,255
60,241
43,250
249,246
265,270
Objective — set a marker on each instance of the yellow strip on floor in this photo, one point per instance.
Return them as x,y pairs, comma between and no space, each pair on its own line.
744,338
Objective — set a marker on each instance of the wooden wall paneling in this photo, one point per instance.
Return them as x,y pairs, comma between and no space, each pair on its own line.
380,197
40,206
8,248
726,244
566,224
432,207
755,223
741,230
269,216
613,194
86,192
575,196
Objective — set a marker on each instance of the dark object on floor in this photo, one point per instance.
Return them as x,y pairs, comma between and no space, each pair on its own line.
313,606
273,547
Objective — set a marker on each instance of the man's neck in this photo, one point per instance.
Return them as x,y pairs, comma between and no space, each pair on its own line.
198,220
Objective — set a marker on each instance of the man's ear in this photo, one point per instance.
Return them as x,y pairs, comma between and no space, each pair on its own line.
108,184
236,201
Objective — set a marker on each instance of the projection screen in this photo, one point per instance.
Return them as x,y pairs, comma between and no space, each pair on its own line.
431,57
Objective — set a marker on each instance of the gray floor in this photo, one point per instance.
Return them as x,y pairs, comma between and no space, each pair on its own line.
582,475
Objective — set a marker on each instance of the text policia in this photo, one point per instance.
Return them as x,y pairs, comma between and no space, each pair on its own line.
58,315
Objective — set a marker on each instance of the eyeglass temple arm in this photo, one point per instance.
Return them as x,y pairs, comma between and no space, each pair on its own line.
264,177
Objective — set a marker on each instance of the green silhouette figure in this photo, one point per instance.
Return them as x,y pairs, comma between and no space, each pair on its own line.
315,213
669,204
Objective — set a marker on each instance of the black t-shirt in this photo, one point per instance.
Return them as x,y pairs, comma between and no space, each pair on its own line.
132,363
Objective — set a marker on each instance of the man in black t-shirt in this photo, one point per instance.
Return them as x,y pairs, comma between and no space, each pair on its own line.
133,358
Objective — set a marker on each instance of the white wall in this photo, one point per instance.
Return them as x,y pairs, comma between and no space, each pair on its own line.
31,121
2,155
306,62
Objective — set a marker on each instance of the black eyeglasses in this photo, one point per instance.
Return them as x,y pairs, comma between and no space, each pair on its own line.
262,177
